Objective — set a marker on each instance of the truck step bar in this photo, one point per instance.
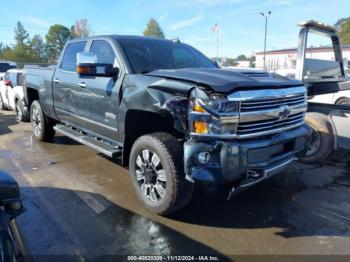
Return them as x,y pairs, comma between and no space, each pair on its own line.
91,141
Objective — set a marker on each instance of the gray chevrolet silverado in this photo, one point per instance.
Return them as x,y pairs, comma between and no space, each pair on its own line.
174,117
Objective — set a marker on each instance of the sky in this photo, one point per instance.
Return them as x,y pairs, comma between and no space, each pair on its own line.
241,27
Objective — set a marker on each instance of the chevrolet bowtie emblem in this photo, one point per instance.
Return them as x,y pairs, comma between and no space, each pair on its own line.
284,113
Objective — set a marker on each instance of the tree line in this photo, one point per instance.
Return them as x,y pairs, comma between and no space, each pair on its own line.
35,49
38,49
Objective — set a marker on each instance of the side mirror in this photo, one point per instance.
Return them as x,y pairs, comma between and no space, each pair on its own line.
87,66
8,83
10,194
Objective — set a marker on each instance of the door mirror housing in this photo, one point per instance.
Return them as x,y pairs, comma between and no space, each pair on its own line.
87,66
8,83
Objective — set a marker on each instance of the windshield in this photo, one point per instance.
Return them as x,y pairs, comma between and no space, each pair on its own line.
149,55
6,66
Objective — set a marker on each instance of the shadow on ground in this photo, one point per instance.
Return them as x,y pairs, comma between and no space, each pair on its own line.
304,201
5,122
93,235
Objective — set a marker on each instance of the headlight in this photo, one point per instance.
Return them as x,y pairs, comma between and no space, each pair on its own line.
213,114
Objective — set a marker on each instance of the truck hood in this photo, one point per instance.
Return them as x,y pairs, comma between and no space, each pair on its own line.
226,81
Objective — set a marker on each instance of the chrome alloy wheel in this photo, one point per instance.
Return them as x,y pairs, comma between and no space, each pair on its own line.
150,176
36,122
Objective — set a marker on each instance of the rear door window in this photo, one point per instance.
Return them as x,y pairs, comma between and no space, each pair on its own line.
69,60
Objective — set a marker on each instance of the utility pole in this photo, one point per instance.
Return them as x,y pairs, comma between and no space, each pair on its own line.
266,16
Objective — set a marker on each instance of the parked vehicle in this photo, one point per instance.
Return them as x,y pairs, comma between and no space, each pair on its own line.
174,117
328,86
4,66
11,94
11,247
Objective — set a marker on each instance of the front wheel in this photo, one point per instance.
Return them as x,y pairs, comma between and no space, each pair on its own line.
42,128
156,170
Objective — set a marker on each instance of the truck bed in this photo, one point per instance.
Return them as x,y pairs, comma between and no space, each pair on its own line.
40,78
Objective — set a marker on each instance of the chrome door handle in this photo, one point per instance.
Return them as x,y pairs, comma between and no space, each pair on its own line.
82,84
56,80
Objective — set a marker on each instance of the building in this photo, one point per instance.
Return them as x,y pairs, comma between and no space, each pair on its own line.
286,58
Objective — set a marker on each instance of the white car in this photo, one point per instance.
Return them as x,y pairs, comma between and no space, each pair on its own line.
11,94
338,98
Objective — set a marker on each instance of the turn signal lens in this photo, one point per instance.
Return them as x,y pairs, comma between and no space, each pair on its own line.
198,108
200,127
83,69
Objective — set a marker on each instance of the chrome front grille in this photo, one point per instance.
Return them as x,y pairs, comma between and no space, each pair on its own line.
275,125
254,105
270,111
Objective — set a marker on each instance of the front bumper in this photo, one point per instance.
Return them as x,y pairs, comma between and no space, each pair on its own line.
232,160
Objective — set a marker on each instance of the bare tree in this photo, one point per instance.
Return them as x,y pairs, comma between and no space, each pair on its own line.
80,29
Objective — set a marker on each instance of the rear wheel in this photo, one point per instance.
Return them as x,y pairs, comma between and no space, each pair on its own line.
42,128
320,144
156,170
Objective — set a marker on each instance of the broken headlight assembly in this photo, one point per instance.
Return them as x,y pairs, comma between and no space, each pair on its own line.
211,114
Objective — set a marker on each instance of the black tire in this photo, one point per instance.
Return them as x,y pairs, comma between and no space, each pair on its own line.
42,128
22,115
320,144
344,101
2,106
178,191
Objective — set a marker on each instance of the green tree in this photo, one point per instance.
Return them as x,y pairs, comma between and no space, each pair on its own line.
241,58
252,60
153,29
56,38
345,32
38,48
21,51
21,35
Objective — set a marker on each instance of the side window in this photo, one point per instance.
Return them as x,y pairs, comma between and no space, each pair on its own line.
69,60
103,51
14,78
7,76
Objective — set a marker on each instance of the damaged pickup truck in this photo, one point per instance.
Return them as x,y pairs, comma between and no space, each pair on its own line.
174,117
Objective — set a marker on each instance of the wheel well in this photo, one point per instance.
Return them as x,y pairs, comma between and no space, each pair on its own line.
138,123
32,95
340,98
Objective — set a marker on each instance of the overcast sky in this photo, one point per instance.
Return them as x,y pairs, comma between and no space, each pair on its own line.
241,25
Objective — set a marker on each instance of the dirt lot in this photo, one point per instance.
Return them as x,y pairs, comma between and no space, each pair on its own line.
82,203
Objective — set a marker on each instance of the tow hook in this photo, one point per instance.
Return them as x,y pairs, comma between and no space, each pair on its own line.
252,177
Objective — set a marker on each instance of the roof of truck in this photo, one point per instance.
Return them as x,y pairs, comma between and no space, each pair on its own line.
125,37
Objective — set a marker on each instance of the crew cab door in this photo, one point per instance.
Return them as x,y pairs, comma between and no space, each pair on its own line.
72,102
104,91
